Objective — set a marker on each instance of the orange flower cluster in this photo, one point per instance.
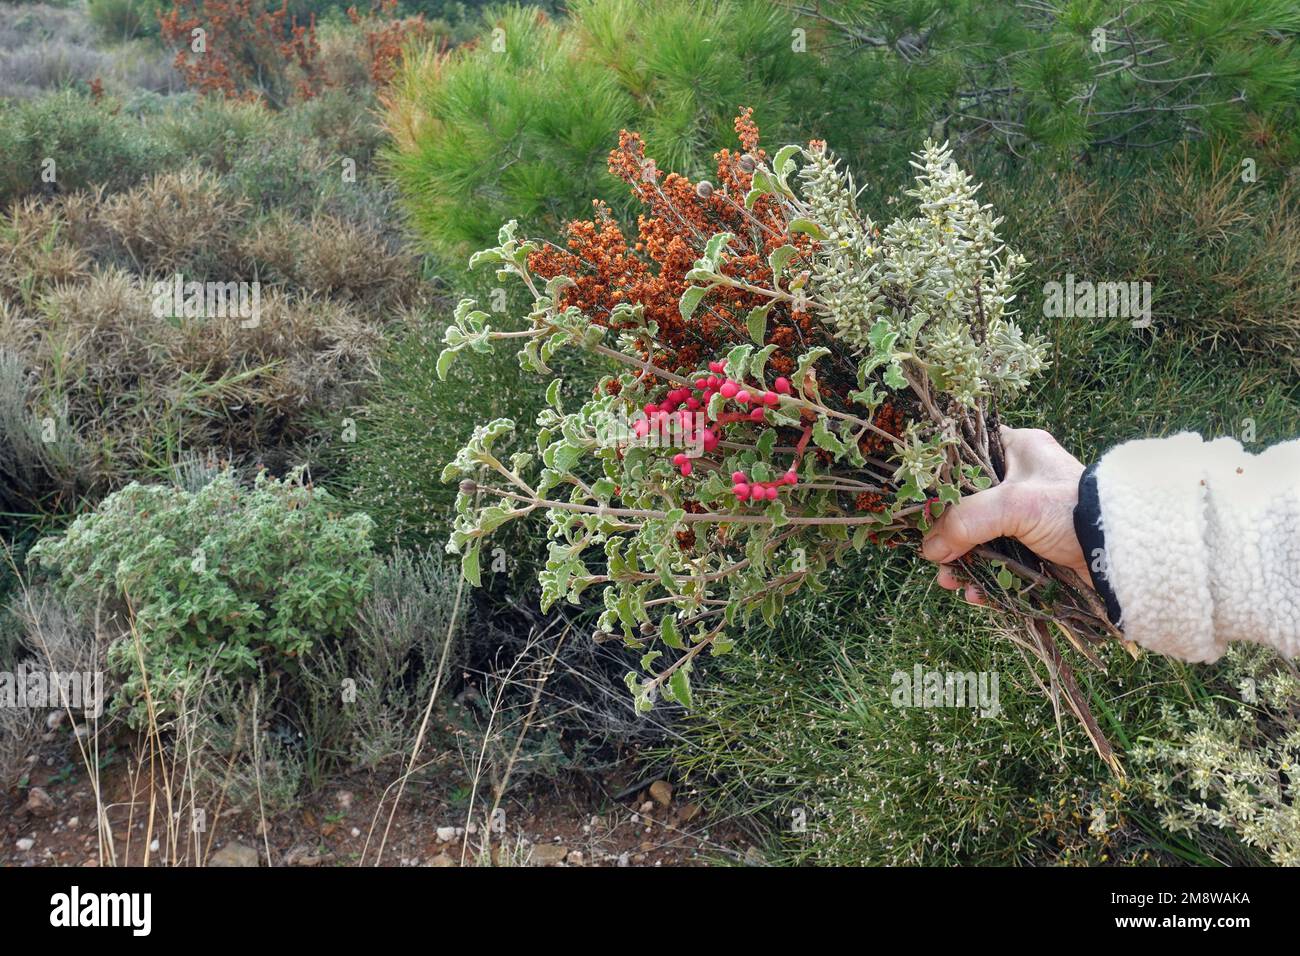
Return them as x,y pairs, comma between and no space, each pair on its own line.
243,43
386,36
679,218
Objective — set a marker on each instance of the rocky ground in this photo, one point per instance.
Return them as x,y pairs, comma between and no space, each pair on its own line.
614,820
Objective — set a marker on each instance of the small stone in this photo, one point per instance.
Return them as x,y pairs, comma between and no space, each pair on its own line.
356,832
73,823
25,844
442,859
689,812
302,855
624,859
548,854
55,719
153,847
344,799
39,803
647,807
446,834
576,858
235,855
662,792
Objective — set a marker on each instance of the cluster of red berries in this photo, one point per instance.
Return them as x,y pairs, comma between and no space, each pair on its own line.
756,491
685,405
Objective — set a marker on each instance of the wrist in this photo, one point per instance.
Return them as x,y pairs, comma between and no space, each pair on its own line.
1092,541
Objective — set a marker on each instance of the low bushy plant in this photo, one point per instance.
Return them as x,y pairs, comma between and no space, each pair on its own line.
87,143
1228,762
227,579
396,651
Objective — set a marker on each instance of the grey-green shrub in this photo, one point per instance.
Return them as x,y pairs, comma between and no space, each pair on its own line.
88,144
363,697
1229,761
226,579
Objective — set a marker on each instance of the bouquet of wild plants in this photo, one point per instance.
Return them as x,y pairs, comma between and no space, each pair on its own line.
787,380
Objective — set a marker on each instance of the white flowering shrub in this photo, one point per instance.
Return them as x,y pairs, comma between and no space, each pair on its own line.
1232,764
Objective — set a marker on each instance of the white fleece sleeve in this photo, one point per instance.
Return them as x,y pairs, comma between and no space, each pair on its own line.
1202,544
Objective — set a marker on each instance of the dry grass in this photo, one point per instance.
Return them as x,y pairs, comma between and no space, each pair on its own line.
332,257
134,392
143,389
175,221
35,250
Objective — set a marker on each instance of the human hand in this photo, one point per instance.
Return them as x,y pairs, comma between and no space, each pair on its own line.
1034,504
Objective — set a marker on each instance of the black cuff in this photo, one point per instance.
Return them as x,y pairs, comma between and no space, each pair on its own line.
1092,538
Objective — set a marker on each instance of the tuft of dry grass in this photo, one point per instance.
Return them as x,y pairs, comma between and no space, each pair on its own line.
332,257
36,251
174,221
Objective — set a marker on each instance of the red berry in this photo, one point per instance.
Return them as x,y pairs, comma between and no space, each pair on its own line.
782,385
771,399
729,389
791,477
710,440
740,490
744,397
717,367
686,469
756,415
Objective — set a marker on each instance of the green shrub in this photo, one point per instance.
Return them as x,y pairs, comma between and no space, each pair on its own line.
1056,81
126,19
343,123
486,135
217,132
228,578
88,144
1220,253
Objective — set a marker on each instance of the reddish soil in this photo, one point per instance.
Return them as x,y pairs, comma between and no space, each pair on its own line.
574,822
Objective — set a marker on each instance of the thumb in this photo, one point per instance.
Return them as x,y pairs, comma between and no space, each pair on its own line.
971,522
